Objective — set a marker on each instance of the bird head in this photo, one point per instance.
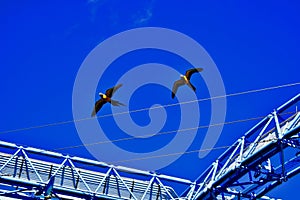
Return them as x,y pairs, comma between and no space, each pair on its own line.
102,95
181,76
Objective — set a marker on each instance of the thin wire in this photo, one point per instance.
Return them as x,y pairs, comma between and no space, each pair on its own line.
201,150
170,154
188,152
166,132
203,99
158,134
145,109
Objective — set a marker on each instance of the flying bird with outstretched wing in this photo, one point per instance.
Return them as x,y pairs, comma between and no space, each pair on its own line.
185,80
107,98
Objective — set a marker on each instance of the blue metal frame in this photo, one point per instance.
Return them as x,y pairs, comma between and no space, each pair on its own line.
76,177
250,167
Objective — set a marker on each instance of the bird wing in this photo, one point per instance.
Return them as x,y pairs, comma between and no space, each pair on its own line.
190,72
116,103
192,86
177,84
112,90
98,106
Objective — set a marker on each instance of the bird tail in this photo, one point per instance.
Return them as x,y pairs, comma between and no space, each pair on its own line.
116,103
93,113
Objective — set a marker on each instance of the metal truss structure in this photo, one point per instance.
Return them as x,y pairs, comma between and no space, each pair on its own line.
264,157
30,173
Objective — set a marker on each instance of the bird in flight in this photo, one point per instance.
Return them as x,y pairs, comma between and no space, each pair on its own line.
106,98
185,80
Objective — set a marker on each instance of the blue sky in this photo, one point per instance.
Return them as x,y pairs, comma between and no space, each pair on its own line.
44,43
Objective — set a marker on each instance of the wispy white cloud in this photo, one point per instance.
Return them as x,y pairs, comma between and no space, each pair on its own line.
95,1
94,6
142,17
117,16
